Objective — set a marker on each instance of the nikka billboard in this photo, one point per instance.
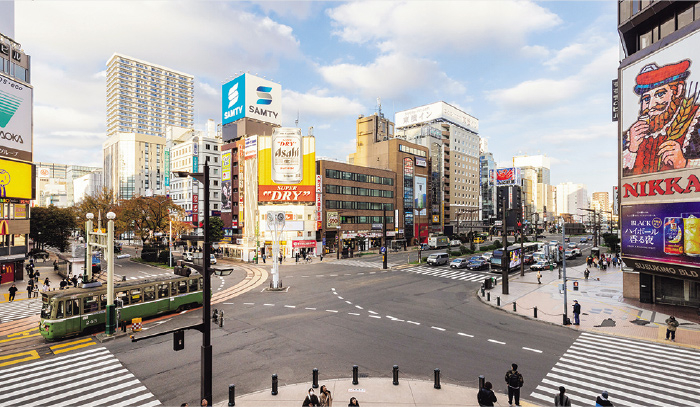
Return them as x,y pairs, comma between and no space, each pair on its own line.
286,166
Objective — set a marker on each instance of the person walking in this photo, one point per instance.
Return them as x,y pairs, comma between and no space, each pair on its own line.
671,326
13,291
586,273
311,400
325,398
602,400
486,397
353,402
30,288
539,277
562,399
263,257
74,280
515,381
577,312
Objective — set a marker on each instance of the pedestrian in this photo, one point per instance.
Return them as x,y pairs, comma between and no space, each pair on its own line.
205,403
184,405
297,257
46,281
577,312
515,381
30,288
586,273
62,284
263,256
321,256
602,400
325,399
311,400
353,402
486,397
55,265
74,279
562,399
671,325
13,291
539,276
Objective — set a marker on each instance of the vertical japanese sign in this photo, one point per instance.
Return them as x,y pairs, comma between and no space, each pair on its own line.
195,158
241,182
319,202
195,209
226,187
166,160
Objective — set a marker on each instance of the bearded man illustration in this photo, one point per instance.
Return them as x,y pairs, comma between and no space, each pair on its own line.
665,136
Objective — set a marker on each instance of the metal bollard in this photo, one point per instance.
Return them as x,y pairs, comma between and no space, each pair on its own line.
483,291
535,312
437,379
482,380
515,307
498,301
354,375
488,296
231,395
221,319
315,379
396,375
274,384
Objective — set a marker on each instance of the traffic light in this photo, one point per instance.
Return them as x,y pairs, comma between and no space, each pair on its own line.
179,340
518,202
181,269
501,194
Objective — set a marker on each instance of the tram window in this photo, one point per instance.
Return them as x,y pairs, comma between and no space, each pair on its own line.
72,308
182,287
90,304
59,309
124,297
174,287
149,293
136,296
103,301
163,291
193,284
201,282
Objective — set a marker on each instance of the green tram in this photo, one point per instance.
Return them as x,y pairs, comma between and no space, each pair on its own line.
82,310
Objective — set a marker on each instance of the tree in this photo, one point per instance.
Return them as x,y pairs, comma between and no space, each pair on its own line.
612,241
99,205
216,229
149,215
52,226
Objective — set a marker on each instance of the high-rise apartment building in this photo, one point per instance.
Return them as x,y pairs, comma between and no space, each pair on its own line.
572,199
453,142
539,197
601,202
144,98
134,165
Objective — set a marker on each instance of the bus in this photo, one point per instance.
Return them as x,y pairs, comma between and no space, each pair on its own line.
75,311
497,261
437,242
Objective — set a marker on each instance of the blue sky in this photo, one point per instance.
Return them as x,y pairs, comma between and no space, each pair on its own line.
537,75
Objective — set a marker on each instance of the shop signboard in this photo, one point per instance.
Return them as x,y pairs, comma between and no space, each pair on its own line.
166,163
16,106
297,244
251,147
507,176
17,179
319,202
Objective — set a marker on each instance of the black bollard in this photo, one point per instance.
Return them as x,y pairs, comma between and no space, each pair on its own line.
535,312
488,296
482,380
482,290
315,379
354,375
274,384
498,301
396,375
515,307
437,379
231,395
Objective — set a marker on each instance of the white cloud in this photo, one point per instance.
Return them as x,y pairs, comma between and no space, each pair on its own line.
536,94
317,104
574,136
435,26
392,76
537,51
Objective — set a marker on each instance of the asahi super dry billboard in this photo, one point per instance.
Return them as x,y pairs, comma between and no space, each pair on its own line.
286,166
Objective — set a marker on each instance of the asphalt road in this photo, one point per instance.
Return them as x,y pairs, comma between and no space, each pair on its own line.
336,315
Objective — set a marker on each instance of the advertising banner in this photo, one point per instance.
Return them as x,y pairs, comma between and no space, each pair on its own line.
253,97
297,244
319,202
514,258
226,183
241,180
507,176
16,180
332,220
420,195
44,172
420,162
195,210
251,147
435,111
166,163
669,233
286,167
16,101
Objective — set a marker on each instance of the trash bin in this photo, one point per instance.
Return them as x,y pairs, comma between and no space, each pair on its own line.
488,283
136,324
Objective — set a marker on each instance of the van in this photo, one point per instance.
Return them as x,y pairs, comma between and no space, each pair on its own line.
438,259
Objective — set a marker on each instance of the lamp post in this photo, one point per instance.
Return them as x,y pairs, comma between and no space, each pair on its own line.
206,351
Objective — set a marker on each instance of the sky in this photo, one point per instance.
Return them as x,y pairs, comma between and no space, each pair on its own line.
537,75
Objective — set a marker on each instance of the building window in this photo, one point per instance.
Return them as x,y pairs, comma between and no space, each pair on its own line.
685,17
667,27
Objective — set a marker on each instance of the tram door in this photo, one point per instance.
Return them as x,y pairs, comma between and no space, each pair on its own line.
70,310
163,300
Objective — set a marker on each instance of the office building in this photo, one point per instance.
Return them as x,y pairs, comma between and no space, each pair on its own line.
134,165
487,199
659,201
539,198
453,143
572,199
144,98
90,184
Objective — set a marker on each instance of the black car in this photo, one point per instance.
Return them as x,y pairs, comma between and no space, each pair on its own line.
478,264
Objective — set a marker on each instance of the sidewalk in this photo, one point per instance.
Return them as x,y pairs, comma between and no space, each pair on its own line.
603,309
370,392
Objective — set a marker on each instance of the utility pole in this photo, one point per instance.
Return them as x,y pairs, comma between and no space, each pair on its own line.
563,259
386,252
505,260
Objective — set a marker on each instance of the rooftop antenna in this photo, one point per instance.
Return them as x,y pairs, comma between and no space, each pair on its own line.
296,122
379,107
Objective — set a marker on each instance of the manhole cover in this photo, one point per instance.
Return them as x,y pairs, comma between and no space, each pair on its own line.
606,323
640,322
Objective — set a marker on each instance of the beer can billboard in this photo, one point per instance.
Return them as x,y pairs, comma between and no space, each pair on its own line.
286,166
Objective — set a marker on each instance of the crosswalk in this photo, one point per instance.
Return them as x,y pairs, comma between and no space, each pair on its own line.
119,277
12,311
633,372
360,263
90,378
453,274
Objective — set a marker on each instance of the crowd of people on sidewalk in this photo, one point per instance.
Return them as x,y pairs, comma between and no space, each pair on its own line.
514,382
324,399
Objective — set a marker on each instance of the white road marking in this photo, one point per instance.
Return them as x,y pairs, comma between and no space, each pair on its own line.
228,303
269,305
438,328
331,310
414,323
372,312
353,313
533,350
312,309
358,307
333,275
498,342
374,316
340,298
348,302
248,303
290,306
463,334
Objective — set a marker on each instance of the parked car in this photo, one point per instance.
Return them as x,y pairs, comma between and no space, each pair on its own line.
479,239
571,245
540,237
455,243
577,251
482,264
459,263
213,258
487,255
438,259
540,265
569,254
583,240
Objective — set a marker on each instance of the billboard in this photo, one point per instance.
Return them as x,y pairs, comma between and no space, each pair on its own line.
433,111
166,163
420,194
226,186
286,167
252,97
514,258
251,147
16,101
508,176
16,180
667,233
332,220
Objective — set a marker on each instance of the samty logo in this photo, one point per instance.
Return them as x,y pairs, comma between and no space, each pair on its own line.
233,96
264,95
8,106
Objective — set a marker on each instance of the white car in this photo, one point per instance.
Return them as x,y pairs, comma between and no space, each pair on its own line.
455,243
213,259
187,256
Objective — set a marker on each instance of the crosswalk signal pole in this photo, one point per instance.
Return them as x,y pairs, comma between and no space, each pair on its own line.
386,252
